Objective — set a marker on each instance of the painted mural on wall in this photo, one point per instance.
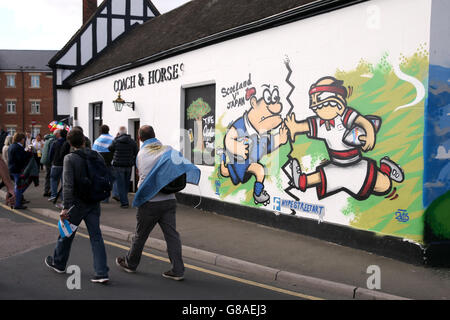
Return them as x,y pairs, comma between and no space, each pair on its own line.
436,194
250,138
352,155
200,124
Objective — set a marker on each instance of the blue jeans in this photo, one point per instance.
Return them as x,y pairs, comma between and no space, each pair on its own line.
122,176
19,192
56,175
91,218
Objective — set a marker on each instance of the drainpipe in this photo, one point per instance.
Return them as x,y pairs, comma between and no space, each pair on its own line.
23,98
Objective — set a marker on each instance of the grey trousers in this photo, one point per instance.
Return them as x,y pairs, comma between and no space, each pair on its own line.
48,170
163,213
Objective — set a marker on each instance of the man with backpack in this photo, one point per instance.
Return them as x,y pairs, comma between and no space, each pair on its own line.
158,166
85,184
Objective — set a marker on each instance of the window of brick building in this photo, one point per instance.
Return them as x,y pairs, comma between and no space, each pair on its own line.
10,81
35,130
10,107
35,81
35,107
11,130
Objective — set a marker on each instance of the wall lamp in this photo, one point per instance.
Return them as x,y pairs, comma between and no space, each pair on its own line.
119,103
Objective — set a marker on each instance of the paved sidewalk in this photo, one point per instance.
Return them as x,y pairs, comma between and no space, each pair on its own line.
272,249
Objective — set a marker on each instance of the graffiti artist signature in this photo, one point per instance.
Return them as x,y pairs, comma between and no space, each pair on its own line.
401,215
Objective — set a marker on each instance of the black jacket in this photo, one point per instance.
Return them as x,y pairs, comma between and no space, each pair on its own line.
62,148
75,167
125,150
17,158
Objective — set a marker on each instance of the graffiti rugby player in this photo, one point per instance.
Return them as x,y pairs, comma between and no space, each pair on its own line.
250,137
347,170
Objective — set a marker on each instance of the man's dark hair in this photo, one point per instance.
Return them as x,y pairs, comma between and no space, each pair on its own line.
19,137
78,128
76,138
63,133
104,129
146,132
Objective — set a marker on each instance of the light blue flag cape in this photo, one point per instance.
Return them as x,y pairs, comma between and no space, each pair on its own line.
170,166
102,143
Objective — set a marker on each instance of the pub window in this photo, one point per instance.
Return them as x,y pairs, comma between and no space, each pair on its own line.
200,119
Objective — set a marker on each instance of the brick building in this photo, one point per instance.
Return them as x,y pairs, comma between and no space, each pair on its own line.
26,91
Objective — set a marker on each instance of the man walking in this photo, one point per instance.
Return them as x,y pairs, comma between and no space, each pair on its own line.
155,206
17,161
75,167
101,145
124,150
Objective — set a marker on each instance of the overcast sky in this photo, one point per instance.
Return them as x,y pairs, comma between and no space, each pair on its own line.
47,24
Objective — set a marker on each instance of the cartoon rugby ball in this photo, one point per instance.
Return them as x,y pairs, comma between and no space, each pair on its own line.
351,137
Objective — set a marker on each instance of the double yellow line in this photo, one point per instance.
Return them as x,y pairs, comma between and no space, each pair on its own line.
189,266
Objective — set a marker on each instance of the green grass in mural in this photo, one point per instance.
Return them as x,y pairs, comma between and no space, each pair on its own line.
376,91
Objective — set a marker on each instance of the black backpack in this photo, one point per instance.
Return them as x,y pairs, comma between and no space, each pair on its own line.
96,184
176,185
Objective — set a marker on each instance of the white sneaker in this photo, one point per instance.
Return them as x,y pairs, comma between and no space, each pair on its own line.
396,171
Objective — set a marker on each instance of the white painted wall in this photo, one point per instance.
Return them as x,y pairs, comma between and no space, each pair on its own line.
316,47
70,58
64,99
86,45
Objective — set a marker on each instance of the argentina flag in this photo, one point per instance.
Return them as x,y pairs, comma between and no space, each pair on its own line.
102,143
166,165
66,229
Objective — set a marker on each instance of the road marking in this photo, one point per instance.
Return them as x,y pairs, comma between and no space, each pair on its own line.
189,266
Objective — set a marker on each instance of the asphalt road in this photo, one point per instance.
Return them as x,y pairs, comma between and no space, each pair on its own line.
25,243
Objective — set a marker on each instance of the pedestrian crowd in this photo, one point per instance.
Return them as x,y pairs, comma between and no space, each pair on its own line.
79,175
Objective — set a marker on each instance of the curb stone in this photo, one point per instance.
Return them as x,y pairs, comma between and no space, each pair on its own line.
249,267
316,283
366,294
326,286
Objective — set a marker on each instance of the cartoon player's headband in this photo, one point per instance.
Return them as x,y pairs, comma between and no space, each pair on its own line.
333,89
